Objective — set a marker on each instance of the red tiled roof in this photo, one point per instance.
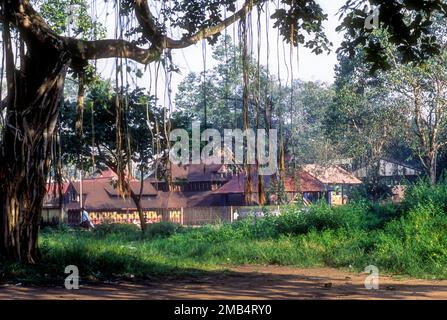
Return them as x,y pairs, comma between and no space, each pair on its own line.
195,173
52,197
236,184
184,199
53,188
305,183
331,174
99,194
148,189
108,173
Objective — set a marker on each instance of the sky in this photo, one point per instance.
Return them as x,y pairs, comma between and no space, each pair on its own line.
306,66
311,67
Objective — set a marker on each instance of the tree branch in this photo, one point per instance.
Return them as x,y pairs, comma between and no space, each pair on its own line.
33,26
147,22
110,48
35,29
418,116
211,31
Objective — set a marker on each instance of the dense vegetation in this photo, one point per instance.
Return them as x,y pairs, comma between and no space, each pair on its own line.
407,239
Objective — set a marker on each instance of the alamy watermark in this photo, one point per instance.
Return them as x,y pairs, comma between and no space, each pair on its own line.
372,280
72,281
372,20
228,149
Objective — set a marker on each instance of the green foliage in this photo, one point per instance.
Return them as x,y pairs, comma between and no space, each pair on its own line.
363,121
132,232
378,214
373,190
424,193
72,17
415,244
409,240
320,217
139,117
409,25
394,112
220,91
119,229
162,229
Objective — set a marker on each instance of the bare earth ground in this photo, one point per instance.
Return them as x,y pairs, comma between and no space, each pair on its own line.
245,282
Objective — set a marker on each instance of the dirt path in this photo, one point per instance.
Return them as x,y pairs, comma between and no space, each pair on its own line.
247,282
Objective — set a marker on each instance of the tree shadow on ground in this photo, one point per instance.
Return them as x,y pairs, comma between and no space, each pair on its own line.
249,282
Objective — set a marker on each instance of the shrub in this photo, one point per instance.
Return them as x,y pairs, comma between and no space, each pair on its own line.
415,244
118,229
423,193
162,229
378,214
320,217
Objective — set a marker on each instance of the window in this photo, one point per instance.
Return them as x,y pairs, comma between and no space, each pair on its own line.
73,196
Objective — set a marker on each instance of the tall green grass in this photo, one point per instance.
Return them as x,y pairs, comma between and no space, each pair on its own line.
408,239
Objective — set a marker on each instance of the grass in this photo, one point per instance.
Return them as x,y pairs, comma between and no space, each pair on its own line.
410,240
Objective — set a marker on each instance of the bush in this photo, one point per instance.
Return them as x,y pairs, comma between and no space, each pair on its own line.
121,229
378,214
372,191
424,193
162,229
320,217
415,244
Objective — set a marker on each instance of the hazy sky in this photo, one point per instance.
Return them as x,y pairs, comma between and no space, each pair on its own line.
311,67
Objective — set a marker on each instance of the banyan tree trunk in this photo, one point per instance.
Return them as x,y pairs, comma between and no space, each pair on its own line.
137,200
33,102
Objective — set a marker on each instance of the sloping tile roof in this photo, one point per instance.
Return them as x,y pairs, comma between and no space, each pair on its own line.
195,173
53,188
184,199
52,199
99,194
148,189
236,184
107,173
304,183
331,174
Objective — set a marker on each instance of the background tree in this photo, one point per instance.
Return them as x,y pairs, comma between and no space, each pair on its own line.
422,94
408,24
97,148
364,120
402,106
309,105
304,105
222,92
